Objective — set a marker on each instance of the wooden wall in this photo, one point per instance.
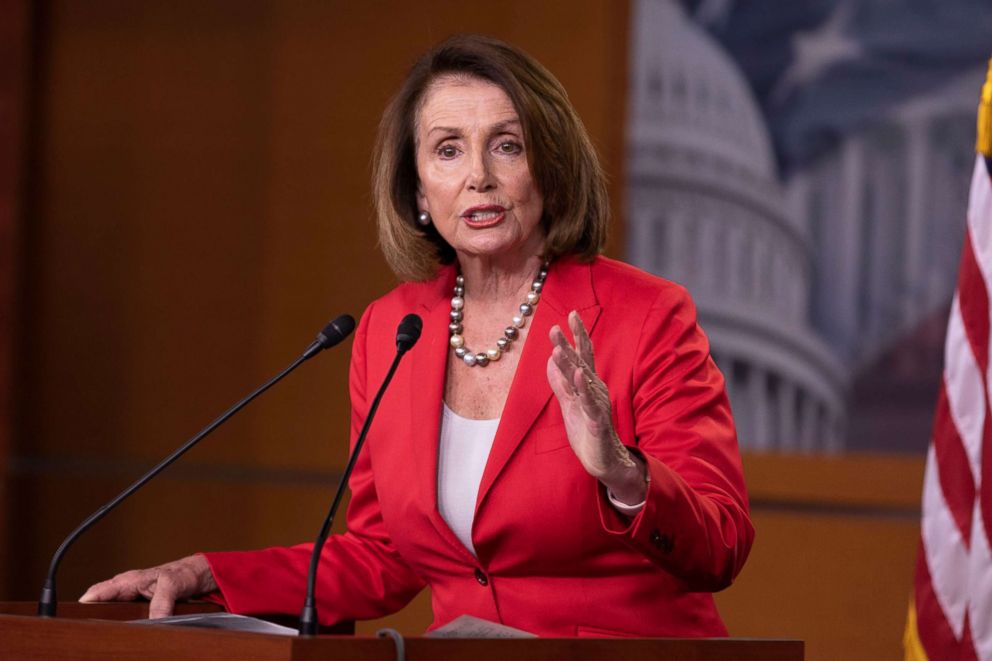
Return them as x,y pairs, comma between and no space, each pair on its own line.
198,207
15,44
834,554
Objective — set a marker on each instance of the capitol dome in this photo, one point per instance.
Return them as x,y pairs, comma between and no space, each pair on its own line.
694,94
705,209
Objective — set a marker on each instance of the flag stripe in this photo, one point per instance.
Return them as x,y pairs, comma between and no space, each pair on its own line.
965,387
934,631
980,579
953,467
945,551
973,301
985,494
980,214
967,649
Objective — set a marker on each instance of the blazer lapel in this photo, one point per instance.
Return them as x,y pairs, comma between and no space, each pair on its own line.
430,362
568,287
429,359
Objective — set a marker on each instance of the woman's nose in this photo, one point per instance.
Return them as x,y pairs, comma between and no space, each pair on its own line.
480,177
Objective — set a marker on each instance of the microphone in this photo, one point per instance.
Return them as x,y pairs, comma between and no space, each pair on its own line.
408,333
331,335
335,331
406,336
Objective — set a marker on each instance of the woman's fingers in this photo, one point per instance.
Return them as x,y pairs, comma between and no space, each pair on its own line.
564,356
565,367
583,344
572,377
569,357
560,385
578,378
584,399
581,356
123,587
594,397
163,585
163,600
559,340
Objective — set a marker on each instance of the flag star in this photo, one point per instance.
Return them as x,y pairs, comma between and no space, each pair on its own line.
818,50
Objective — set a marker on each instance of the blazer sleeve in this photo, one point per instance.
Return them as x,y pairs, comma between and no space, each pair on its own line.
695,522
362,576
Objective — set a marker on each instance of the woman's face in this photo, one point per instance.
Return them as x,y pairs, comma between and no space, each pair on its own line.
472,164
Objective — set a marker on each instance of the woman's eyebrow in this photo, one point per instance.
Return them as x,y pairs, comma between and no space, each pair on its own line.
501,127
444,129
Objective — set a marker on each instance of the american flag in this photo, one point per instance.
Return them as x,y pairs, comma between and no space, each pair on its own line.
950,614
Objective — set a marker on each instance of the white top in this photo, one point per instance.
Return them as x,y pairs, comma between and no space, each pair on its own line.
462,456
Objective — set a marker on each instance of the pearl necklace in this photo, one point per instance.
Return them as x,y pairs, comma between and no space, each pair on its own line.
510,333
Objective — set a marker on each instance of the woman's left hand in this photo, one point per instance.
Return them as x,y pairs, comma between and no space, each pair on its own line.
588,415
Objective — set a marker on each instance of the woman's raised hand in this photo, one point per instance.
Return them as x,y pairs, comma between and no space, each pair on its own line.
163,585
588,415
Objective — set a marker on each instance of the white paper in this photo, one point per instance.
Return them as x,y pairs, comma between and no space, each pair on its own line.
227,621
466,626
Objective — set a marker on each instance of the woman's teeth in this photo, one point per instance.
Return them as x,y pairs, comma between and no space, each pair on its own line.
483,215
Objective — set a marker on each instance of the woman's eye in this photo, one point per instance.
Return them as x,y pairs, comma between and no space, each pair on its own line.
509,148
447,151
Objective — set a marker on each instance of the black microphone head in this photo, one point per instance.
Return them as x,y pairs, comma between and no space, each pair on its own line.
335,331
409,332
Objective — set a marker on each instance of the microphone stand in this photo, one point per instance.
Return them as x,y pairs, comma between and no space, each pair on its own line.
407,336
331,335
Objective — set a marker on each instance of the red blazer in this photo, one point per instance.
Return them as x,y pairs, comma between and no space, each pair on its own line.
554,557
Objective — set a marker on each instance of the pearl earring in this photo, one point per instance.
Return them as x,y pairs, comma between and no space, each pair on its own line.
423,219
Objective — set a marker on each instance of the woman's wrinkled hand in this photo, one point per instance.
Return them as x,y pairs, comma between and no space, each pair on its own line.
162,585
588,415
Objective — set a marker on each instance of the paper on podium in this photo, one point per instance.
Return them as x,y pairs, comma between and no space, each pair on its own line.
227,621
466,626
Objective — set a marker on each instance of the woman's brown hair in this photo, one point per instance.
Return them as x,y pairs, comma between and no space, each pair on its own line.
561,157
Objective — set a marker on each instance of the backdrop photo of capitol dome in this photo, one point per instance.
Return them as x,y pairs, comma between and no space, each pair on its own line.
803,169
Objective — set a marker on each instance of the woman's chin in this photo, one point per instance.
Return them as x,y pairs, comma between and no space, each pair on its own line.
510,253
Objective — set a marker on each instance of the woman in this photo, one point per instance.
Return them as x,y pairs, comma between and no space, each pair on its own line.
612,510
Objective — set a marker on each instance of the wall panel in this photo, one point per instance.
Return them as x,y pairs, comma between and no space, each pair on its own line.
15,67
834,553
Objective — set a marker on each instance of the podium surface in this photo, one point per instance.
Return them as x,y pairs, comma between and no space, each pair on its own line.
71,637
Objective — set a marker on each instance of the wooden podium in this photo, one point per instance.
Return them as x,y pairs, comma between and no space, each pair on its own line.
96,631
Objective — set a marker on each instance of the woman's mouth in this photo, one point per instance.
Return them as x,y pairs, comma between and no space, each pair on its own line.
484,216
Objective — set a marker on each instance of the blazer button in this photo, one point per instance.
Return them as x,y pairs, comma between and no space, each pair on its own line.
664,543
479,576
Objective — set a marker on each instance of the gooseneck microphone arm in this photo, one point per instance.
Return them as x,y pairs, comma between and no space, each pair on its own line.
406,336
332,334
